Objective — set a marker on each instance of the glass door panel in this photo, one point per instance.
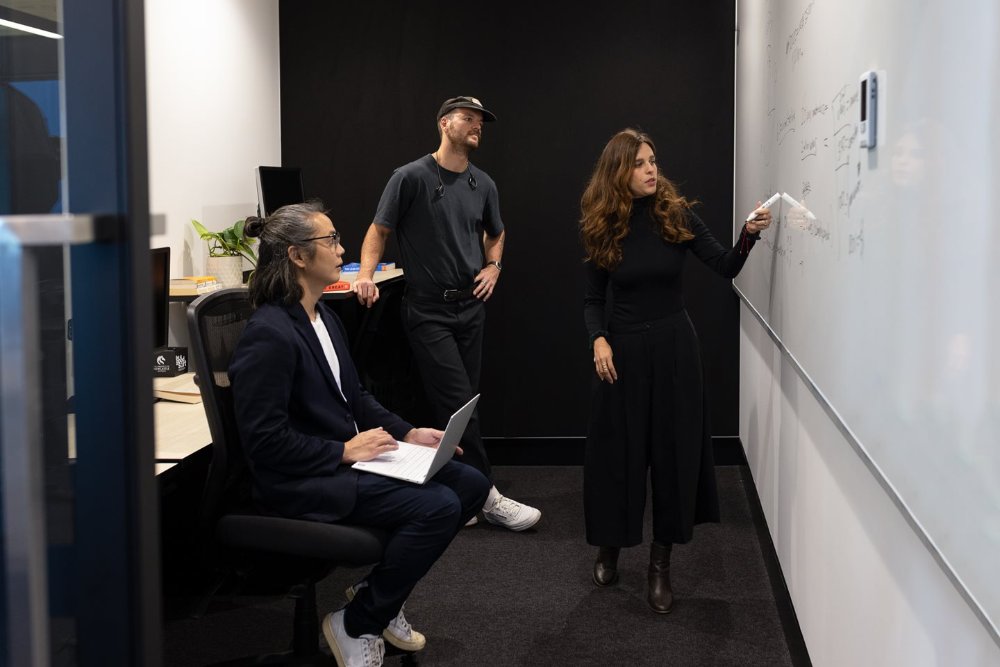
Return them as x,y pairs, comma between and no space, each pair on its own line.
77,494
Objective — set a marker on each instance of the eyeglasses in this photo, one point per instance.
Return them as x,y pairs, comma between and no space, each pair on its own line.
332,239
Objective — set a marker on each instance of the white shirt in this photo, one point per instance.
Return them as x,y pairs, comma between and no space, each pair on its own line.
330,353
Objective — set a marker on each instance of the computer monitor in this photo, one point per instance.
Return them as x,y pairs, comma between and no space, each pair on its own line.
276,187
160,264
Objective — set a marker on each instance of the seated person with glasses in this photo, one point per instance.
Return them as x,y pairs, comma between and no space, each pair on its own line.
304,419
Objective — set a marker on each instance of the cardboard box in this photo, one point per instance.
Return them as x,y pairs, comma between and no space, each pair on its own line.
170,361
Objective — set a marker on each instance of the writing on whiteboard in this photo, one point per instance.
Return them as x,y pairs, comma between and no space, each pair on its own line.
785,126
808,148
809,114
856,242
792,47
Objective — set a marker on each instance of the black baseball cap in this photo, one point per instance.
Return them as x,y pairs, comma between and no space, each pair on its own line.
465,102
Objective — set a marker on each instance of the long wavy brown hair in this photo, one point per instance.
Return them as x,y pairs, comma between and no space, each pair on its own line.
606,204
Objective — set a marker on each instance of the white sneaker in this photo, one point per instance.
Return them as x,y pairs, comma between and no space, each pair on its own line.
511,514
399,632
472,522
364,651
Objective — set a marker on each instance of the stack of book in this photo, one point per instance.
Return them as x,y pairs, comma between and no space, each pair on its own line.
193,285
339,286
354,267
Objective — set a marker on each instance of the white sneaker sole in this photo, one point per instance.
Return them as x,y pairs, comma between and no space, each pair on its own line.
415,644
517,527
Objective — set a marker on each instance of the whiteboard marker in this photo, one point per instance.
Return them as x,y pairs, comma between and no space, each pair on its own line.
788,198
768,204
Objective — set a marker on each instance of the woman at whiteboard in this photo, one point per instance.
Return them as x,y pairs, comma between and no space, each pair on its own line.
647,408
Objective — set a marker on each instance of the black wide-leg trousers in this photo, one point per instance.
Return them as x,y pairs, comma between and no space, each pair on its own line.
652,422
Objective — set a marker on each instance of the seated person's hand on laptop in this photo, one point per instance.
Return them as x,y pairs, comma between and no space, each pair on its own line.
368,444
428,437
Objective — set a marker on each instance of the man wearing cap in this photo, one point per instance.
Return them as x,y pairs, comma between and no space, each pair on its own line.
446,214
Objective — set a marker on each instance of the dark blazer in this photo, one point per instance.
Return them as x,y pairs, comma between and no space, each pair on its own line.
292,419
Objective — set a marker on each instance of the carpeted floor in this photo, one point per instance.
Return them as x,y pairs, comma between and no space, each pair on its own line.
502,598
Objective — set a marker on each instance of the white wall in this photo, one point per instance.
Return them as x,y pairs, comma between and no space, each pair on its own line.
865,588
212,82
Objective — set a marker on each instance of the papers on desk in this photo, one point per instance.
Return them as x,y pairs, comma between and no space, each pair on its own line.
180,389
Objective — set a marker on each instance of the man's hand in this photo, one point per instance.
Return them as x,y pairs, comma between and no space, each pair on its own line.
367,291
428,437
368,444
371,252
486,281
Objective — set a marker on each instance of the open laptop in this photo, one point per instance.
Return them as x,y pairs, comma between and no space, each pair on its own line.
416,463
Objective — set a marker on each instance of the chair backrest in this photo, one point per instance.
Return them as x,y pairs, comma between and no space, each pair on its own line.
215,322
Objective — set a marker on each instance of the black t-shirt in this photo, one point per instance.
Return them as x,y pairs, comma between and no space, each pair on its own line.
647,284
440,236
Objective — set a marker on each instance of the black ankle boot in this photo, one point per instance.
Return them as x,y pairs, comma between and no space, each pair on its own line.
661,596
606,566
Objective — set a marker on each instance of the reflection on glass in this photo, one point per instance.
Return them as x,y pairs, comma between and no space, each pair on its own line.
31,140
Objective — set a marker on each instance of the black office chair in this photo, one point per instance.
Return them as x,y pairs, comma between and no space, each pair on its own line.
231,532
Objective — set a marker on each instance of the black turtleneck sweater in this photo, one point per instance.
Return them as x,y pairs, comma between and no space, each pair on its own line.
647,284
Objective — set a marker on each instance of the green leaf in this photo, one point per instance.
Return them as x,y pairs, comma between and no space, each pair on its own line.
248,252
230,242
203,232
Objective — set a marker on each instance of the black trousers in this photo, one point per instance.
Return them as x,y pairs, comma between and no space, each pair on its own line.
447,344
652,422
422,520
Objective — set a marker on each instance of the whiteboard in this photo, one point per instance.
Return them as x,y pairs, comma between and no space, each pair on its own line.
887,299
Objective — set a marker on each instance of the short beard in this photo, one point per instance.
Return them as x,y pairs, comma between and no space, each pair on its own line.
461,145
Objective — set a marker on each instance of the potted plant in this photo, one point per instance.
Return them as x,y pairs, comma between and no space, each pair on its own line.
226,251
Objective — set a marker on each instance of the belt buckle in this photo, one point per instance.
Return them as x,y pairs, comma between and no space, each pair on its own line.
450,295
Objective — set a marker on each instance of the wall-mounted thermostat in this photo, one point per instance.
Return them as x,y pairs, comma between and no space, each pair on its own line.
869,105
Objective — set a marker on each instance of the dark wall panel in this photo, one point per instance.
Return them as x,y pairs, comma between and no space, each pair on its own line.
360,85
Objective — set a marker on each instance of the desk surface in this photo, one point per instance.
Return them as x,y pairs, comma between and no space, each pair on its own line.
380,276
181,429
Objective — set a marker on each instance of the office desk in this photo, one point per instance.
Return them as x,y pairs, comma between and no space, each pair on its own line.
380,277
180,429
